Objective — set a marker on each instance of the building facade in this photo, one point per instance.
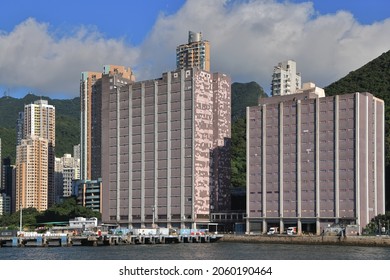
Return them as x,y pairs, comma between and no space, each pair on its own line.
161,141
67,170
196,53
285,78
312,161
32,173
8,181
5,204
88,79
88,194
39,121
19,128
1,171
90,95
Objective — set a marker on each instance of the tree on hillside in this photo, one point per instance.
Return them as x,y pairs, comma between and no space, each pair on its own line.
12,221
379,225
243,95
66,210
238,162
62,212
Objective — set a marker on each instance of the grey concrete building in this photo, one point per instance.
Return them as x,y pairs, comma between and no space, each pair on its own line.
165,149
315,161
88,193
91,99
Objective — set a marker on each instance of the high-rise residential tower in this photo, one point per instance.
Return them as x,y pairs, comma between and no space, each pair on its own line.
88,80
285,79
196,53
39,121
165,149
32,164
90,95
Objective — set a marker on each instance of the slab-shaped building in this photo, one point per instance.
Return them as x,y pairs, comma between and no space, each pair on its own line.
166,149
312,161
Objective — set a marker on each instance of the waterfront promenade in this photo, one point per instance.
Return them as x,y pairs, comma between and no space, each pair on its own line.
108,240
41,240
382,240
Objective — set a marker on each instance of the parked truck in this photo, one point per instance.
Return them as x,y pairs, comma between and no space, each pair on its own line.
291,230
273,230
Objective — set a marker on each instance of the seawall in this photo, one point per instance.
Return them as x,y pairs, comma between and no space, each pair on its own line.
305,239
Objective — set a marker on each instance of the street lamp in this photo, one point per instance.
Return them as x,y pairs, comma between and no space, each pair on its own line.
20,219
154,217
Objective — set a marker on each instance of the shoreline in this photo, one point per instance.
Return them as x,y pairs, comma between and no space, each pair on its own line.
380,241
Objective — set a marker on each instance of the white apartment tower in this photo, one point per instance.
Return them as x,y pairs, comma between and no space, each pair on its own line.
35,157
285,79
67,169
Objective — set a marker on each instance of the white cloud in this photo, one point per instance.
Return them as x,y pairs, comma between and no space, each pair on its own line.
247,37
32,57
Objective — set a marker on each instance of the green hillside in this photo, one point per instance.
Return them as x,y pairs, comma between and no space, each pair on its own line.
243,95
374,77
67,123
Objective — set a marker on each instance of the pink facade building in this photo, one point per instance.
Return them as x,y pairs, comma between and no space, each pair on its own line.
165,149
313,162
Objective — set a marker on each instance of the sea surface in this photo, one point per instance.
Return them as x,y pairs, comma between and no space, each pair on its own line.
198,251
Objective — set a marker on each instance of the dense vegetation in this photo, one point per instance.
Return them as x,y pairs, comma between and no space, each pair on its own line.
243,95
61,212
67,123
379,225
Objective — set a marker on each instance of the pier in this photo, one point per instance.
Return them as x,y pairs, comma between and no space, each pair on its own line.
41,240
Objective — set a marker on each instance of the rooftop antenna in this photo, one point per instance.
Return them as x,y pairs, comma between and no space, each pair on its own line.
6,93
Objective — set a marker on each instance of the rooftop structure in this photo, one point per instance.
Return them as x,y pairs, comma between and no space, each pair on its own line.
196,53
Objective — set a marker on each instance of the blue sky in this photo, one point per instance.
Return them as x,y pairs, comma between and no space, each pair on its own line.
45,45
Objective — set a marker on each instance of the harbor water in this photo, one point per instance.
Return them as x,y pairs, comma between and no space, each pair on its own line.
199,251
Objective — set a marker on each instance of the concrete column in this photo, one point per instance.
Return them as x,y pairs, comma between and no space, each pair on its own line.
281,189
298,147
118,198
264,160
299,226
317,158
143,210
357,160
182,151
281,225
336,158
155,151
169,148
130,169
281,158
248,229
